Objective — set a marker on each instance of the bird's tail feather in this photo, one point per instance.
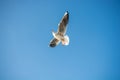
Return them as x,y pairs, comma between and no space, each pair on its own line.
66,40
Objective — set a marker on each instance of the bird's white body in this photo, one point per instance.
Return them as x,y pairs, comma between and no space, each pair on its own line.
63,38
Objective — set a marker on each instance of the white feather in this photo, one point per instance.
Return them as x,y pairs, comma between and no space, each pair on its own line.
66,40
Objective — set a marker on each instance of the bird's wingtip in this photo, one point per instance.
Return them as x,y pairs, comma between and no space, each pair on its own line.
66,13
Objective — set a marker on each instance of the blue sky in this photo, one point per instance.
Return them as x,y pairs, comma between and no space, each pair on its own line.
25,32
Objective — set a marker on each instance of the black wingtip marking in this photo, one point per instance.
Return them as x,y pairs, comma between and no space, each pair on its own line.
67,12
52,45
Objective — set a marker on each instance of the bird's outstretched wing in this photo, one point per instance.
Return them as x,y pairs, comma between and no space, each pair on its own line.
54,42
63,23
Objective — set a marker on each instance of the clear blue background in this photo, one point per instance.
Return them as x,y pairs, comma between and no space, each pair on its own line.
25,32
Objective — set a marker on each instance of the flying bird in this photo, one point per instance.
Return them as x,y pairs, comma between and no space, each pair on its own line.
60,35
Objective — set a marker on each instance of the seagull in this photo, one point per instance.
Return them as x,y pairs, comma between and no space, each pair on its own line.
60,35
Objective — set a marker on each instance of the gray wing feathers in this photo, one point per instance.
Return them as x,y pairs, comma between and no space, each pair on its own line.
63,24
54,42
